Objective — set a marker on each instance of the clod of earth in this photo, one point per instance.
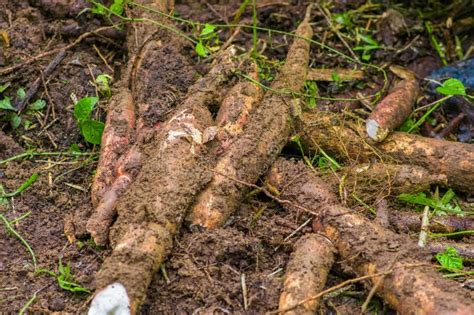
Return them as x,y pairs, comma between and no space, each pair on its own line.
346,141
368,249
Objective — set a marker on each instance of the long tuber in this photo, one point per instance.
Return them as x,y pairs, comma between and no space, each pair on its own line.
347,142
263,139
368,249
306,273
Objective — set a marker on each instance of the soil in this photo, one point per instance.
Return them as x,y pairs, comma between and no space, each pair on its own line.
206,270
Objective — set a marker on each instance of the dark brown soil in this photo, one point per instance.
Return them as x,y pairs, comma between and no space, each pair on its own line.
205,271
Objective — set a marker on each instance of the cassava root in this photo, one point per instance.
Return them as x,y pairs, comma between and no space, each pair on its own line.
149,216
347,142
367,248
306,273
261,142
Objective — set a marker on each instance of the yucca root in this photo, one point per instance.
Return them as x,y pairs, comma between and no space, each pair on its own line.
368,249
306,273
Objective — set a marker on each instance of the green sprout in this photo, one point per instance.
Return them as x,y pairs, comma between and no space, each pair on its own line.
90,129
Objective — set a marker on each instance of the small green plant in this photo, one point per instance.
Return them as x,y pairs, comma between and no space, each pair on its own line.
31,180
366,44
266,67
12,116
207,41
90,129
449,88
312,93
102,82
343,19
116,7
436,44
450,259
65,278
441,206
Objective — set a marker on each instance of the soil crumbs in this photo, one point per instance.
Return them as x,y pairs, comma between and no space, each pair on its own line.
235,269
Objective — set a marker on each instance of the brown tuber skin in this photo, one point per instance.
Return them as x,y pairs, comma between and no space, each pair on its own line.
367,248
346,142
393,110
116,139
149,216
376,181
264,138
231,120
136,111
306,273
408,221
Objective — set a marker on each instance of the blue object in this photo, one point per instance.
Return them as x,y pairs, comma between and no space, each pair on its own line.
464,72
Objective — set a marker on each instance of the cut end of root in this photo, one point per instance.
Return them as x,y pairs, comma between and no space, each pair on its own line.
374,131
113,299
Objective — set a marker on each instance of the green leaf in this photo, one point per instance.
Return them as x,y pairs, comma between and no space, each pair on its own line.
92,131
74,148
98,9
447,197
369,40
26,123
450,259
84,108
15,120
3,87
441,207
21,93
343,19
407,125
6,104
201,50
451,87
311,91
30,181
117,6
37,105
208,29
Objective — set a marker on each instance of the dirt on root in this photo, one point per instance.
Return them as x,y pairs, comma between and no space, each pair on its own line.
207,272
204,272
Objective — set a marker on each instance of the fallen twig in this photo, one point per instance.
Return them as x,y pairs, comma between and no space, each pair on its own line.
18,103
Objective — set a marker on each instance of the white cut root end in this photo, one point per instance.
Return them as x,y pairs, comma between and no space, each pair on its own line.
113,300
375,131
